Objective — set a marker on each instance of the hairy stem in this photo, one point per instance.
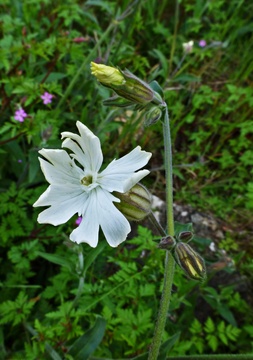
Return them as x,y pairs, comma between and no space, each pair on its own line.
169,261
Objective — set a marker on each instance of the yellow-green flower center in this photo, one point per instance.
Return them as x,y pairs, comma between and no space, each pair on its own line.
87,180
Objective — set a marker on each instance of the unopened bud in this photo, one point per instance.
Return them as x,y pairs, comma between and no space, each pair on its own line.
152,115
134,89
135,204
190,261
167,243
185,236
126,85
107,75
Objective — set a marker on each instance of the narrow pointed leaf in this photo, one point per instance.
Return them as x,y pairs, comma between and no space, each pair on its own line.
88,342
167,345
56,259
156,87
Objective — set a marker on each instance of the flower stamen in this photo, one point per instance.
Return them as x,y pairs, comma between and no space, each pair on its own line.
87,180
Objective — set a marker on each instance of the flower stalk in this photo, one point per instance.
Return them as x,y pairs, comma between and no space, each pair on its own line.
169,260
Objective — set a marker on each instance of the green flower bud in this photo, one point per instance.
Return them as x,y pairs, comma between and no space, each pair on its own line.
190,261
126,85
185,236
167,243
152,115
134,89
135,204
107,75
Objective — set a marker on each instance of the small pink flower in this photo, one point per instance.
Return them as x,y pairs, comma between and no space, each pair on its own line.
20,115
47,98
80,39
79,220
202,43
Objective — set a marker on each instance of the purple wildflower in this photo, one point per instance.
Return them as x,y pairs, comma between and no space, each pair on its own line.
20,115
202,43
47,98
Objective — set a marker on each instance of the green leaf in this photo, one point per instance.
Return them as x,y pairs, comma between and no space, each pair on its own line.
232,332
186,78
56,259
179,227
93,254
227,314
88,342
157,88
209,325
53,76
167,345
212,342
52,353
141,357
34,167
104,5
2,347
162,59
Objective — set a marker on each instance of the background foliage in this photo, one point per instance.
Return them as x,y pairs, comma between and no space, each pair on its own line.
46,46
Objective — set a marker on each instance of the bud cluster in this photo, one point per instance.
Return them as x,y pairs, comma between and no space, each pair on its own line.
188,259
130,90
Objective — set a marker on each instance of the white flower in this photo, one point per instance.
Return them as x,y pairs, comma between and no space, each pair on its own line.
76,186
188,47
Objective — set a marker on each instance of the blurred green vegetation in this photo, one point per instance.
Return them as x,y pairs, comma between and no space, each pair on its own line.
47,46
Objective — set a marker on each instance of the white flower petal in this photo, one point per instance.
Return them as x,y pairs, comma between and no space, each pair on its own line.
77,153
131,162
88,230
134,179
122,183
114,225
119,174
56,194
100,210
64,203
61,169
90,145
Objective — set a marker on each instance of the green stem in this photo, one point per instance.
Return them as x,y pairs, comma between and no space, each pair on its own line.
49,349
81,278
156,224
168,173
164,306
214,357
169,261
198,357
